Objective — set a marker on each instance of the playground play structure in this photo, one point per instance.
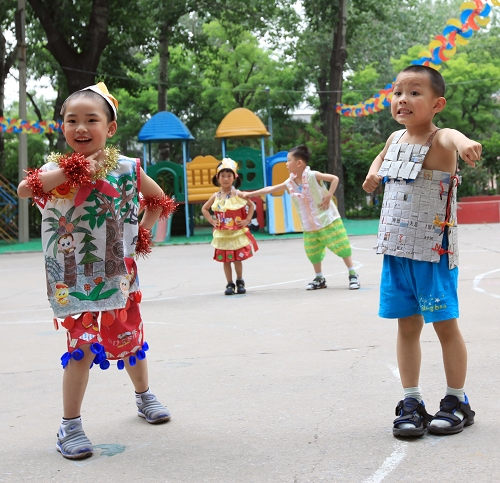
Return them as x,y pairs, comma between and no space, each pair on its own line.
192,181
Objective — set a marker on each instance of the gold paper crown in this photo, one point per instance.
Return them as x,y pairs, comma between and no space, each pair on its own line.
102,90
228,163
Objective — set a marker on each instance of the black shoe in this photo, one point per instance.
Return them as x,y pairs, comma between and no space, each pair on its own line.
241,286
229,289
317,283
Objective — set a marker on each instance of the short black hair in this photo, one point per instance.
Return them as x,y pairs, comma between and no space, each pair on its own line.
110,115
237,179
301,152
438,84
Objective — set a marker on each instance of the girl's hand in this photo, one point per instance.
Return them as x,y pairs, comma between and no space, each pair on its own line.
243,223
94,164
325,202
214,223
371,182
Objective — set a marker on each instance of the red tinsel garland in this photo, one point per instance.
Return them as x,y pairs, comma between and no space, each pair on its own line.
168,205
76,168
34,183
144,243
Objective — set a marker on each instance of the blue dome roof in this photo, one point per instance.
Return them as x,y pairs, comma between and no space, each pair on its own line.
164,126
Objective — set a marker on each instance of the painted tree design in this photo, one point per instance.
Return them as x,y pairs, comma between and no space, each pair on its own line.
89,258
64,226
53,269
113,212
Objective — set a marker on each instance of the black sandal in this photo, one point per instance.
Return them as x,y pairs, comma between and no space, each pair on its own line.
230,289
411,411
447,408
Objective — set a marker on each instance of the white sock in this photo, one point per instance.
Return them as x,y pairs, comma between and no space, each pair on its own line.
319,274
138,395
66,422
460,394
415,393
351,270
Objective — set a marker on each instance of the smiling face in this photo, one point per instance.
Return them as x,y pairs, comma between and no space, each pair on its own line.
86,126
226,178
414,102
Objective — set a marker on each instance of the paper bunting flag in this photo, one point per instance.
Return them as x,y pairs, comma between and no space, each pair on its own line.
474,15
19,126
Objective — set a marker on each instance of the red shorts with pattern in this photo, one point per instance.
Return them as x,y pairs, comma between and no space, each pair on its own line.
122,338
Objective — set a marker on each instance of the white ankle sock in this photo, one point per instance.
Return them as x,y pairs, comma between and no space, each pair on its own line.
65,421
413,392
138,395
319,274
460,394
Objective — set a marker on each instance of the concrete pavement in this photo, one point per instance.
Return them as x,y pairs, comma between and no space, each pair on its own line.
278,385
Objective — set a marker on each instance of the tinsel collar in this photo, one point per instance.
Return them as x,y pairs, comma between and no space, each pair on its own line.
111,155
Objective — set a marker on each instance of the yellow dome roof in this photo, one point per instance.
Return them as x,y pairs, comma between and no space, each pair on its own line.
241,123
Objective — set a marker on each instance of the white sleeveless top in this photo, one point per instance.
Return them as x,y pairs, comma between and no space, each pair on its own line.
418,206
89,248
307,198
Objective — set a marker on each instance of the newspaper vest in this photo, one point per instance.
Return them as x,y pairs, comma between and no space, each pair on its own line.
419,206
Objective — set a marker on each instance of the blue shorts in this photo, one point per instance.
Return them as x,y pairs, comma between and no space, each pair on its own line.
410,287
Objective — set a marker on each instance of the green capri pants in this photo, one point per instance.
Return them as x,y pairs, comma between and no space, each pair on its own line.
333,237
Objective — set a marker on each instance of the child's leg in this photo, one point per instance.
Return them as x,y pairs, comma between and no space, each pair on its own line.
148,407
72,442
412,416
138,375
454,352
228,272
75,379
238,267
317,269
408,349
455,411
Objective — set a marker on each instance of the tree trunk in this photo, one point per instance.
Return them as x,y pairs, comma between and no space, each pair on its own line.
6,62
70,269
162,83
337,61
88,269
79,67
114,264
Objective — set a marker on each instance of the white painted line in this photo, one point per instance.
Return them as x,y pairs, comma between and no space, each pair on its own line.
395,371
390,463
477,281
357,265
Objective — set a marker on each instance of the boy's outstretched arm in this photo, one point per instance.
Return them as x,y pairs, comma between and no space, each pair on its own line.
263,191
372,179
453,140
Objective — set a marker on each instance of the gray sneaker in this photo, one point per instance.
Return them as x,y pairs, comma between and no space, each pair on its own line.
152,410
72,442
354,282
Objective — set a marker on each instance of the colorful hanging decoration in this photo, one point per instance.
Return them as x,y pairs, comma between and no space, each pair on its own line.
20,126
474,15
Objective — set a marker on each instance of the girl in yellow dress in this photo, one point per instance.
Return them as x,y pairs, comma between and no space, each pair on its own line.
233,241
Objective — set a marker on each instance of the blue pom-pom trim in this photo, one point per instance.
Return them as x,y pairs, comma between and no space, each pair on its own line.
132,361
145,346
99,359
121,365
77,354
